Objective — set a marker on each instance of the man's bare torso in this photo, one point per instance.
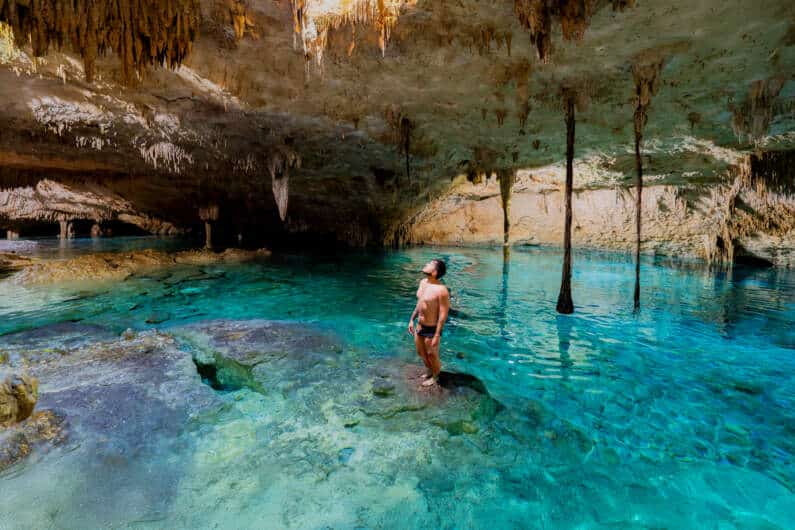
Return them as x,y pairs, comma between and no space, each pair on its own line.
429,296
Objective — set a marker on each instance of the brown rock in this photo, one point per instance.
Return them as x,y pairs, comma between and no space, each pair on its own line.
18,395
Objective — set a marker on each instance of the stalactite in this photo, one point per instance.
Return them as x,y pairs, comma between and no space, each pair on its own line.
646,76
241,20
406,127
313,19
620,5
759,174
575,16
281,160
506,178
694,118
565,304
402,129
141,32
537,15
751,119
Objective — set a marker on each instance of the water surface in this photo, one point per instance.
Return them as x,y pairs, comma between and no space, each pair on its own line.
681,416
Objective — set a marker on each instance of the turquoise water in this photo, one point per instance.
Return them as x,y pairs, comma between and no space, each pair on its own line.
682,416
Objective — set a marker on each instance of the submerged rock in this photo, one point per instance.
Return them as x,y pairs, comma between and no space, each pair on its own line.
41,428
127,403
251,342
383,388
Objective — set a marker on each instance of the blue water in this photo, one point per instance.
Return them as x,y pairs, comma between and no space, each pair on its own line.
681,416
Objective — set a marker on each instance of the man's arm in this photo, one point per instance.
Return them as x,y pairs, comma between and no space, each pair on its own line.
413,316
444,310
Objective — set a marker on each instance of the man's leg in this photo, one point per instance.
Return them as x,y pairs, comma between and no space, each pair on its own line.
434,363
421,351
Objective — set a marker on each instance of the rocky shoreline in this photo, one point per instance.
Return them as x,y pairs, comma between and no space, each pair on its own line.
116,266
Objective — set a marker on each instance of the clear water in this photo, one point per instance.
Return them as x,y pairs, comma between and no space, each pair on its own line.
682,416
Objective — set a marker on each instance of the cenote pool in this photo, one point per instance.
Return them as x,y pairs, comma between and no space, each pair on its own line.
682,416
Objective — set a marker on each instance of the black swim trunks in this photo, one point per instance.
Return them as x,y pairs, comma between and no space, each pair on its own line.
427,331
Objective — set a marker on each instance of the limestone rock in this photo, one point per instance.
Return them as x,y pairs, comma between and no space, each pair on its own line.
120,265
380,100
18,395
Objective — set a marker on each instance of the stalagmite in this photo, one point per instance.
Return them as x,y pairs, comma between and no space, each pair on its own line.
11,234
565,304
646,75
96,230
506,178
208,215
141,32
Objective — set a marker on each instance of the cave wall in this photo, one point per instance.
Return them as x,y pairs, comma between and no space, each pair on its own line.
678,220
341,121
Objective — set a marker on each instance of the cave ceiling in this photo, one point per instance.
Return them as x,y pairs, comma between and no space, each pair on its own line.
371,109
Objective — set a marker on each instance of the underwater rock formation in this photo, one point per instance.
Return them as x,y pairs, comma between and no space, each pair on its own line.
42,429
21,430
121,399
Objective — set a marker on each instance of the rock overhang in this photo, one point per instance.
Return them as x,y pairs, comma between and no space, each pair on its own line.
381,127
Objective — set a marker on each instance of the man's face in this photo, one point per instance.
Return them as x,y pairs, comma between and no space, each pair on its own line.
429,269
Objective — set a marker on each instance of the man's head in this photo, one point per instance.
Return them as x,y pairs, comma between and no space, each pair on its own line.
435,268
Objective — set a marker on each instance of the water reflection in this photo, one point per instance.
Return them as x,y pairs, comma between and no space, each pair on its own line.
564,324
502,307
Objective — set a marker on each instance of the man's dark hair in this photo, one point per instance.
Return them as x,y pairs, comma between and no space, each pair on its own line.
441,268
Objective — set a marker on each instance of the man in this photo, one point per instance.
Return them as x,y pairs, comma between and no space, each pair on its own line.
433,305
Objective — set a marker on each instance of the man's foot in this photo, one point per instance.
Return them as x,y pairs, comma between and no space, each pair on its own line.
430,381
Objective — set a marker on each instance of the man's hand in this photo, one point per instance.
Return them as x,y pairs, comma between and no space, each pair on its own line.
435,341
411,328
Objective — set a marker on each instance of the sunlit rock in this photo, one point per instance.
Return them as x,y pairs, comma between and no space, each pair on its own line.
18,395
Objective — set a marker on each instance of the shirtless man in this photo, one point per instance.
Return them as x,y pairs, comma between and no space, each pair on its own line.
433,305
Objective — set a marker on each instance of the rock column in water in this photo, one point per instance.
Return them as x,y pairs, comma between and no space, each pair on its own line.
208,215
507,178
565,303
646,75
96,230
67,230
10,234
